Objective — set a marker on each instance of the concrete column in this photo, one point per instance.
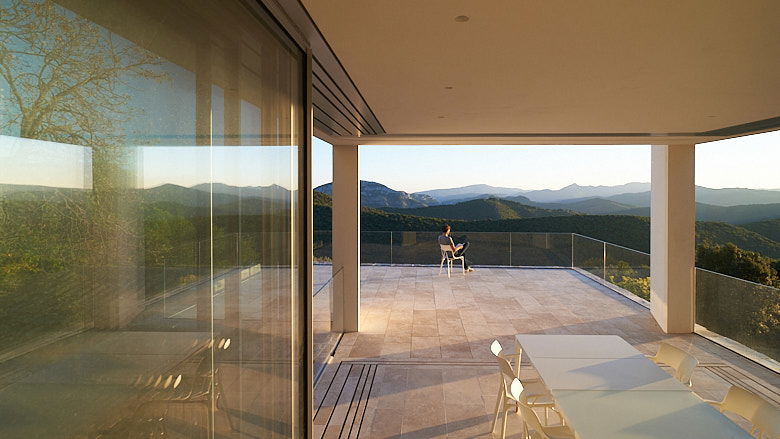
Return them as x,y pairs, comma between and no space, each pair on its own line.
346,238
672,237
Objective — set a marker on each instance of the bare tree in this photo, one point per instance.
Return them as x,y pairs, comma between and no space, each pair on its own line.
68,78
65,79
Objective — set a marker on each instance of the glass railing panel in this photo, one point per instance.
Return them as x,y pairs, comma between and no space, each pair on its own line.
628,269
323,246
485,248
325,338
746,312
415,248
541,249
588,254
375,248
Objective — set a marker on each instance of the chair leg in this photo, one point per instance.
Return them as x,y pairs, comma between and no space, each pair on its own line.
441,265
499,407
503,425
449,268
463,265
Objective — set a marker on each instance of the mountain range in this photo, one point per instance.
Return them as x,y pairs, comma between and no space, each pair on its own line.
626,230
718,197
753,227
583,199
465,193
378,195
483,209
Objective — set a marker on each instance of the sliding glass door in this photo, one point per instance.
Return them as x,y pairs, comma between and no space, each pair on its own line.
151,251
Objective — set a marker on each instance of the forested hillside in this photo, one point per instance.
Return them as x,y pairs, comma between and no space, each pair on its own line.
482,209
741,214
768,228
628,231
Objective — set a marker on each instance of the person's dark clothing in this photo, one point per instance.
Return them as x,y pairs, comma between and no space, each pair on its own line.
446,240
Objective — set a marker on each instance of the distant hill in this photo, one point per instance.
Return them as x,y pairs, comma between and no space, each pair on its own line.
24,192
322,199
628,231
378,195
736,196
465,193
722,233
272,192
190,197
768,228
716,197
590,206
639,199
732,214
482,209
575,192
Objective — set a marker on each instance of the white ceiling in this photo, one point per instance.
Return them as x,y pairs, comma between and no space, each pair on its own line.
558,66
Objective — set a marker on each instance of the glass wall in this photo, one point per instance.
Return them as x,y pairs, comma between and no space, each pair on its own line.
588,254
150,263
740,310
325,339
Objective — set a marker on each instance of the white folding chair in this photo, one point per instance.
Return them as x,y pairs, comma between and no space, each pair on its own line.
512,357
682,362
533,394
539,431
766,422
739,401
448,256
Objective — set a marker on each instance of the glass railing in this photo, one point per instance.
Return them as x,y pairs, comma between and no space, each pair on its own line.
628,269
743,311
540,249
588,254
325,338
486,248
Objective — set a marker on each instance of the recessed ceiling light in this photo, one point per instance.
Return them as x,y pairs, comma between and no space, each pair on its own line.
462,18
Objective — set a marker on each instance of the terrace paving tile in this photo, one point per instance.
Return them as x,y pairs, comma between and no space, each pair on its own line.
431,371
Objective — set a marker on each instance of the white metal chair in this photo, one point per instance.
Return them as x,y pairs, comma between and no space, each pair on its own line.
448,256
539,431
741,402
512,357
766,422
533,394
682,362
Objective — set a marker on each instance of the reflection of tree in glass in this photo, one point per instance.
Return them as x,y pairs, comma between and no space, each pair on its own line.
65,79
65,74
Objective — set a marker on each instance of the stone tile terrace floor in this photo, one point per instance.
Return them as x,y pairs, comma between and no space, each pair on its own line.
421,366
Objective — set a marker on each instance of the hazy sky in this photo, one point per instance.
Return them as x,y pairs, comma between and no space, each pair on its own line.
751,161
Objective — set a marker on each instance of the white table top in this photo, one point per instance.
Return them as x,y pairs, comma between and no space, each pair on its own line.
632,373
607,390
576,346
643,415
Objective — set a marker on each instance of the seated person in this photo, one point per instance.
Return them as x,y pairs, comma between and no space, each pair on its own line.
457,250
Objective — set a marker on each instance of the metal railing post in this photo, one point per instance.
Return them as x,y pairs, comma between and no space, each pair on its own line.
391,247
572,250
605,259
510,249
